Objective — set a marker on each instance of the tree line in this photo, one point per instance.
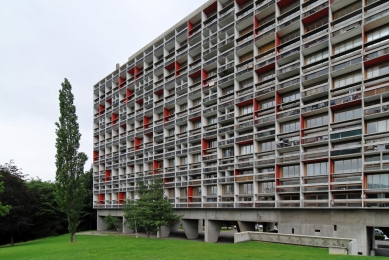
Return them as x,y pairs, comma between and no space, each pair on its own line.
29,209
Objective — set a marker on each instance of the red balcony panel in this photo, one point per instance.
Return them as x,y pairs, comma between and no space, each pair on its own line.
196,74
376,61
284,3
159,92
245,103
140,101
241,2
95,156
177,67
107,175
316,16
171,65
136,143
195,119
245,142
345,105
266,68
210,8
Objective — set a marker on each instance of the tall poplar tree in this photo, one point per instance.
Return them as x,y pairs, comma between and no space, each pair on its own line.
70,191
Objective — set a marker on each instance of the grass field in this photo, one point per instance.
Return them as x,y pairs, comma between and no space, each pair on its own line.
128,247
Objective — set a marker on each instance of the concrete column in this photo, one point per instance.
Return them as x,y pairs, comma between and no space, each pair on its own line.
200,226
268,226
246,226
126,230
191,228
164,231
212,230
101,226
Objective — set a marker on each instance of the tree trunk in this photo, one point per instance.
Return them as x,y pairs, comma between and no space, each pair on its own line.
12,239
73,237
148,233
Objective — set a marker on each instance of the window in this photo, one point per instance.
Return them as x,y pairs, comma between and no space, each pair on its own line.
246,30
171,132
316,56
378,181
379,70
184,160
228,152
246,110
211,190
348,44
266,47
246,188
246,149
347,114
197,124
290,36
267,187
290,126
229,189
183,128
346,144
171,162
317,120
348,79
183,192
348,165
348,9
377,126
160,115
212,143
316,24
196,158
266,170
319,168
212,120
290,96
377,33
291,171
267,75
246,83
267,103
267,146
183,107
196,101
246,56
228,90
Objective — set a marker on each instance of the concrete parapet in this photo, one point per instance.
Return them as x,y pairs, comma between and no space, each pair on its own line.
246,226
350,245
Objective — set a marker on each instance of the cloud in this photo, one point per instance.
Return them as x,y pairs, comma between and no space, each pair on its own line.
45,41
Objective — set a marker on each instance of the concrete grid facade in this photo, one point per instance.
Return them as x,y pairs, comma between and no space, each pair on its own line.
252,105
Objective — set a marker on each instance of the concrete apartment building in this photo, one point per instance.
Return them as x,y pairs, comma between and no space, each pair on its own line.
257,112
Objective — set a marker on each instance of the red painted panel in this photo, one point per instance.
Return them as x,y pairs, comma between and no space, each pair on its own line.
107,175
195,119
140,101
376,61
159,92
190,191
265,69
204,74
245,103
178,66
240,2
348,104
170,66
136,143
256,106
283,3
316,16
210,8
256,24
204,144
95,156
245,142
195,75
278,41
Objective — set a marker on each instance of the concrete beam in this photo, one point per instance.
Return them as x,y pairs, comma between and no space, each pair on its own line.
164,232
268,226
212,230
126,230
246,226
191,228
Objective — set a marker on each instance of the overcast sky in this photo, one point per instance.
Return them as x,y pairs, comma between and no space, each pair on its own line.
42,42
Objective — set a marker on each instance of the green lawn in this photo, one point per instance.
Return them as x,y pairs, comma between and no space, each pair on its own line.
128,247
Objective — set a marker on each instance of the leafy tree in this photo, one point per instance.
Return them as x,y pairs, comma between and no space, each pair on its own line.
4,209
48,219
70,191
111,222
88,218
152,210
20,198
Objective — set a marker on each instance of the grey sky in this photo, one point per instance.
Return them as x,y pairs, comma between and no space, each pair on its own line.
42,42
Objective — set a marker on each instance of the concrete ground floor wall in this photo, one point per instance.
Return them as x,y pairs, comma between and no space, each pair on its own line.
339,223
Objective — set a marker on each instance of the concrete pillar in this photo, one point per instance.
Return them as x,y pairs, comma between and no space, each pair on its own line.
212,230
268,226
191,228
246,226
164,231
200,226
126,230
101,226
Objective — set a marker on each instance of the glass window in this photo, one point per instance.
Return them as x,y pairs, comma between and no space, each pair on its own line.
246,149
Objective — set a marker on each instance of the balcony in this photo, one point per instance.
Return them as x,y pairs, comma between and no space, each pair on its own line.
348,151
314,139
314,107
315,90
288,158
315,9
314,155
343,100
